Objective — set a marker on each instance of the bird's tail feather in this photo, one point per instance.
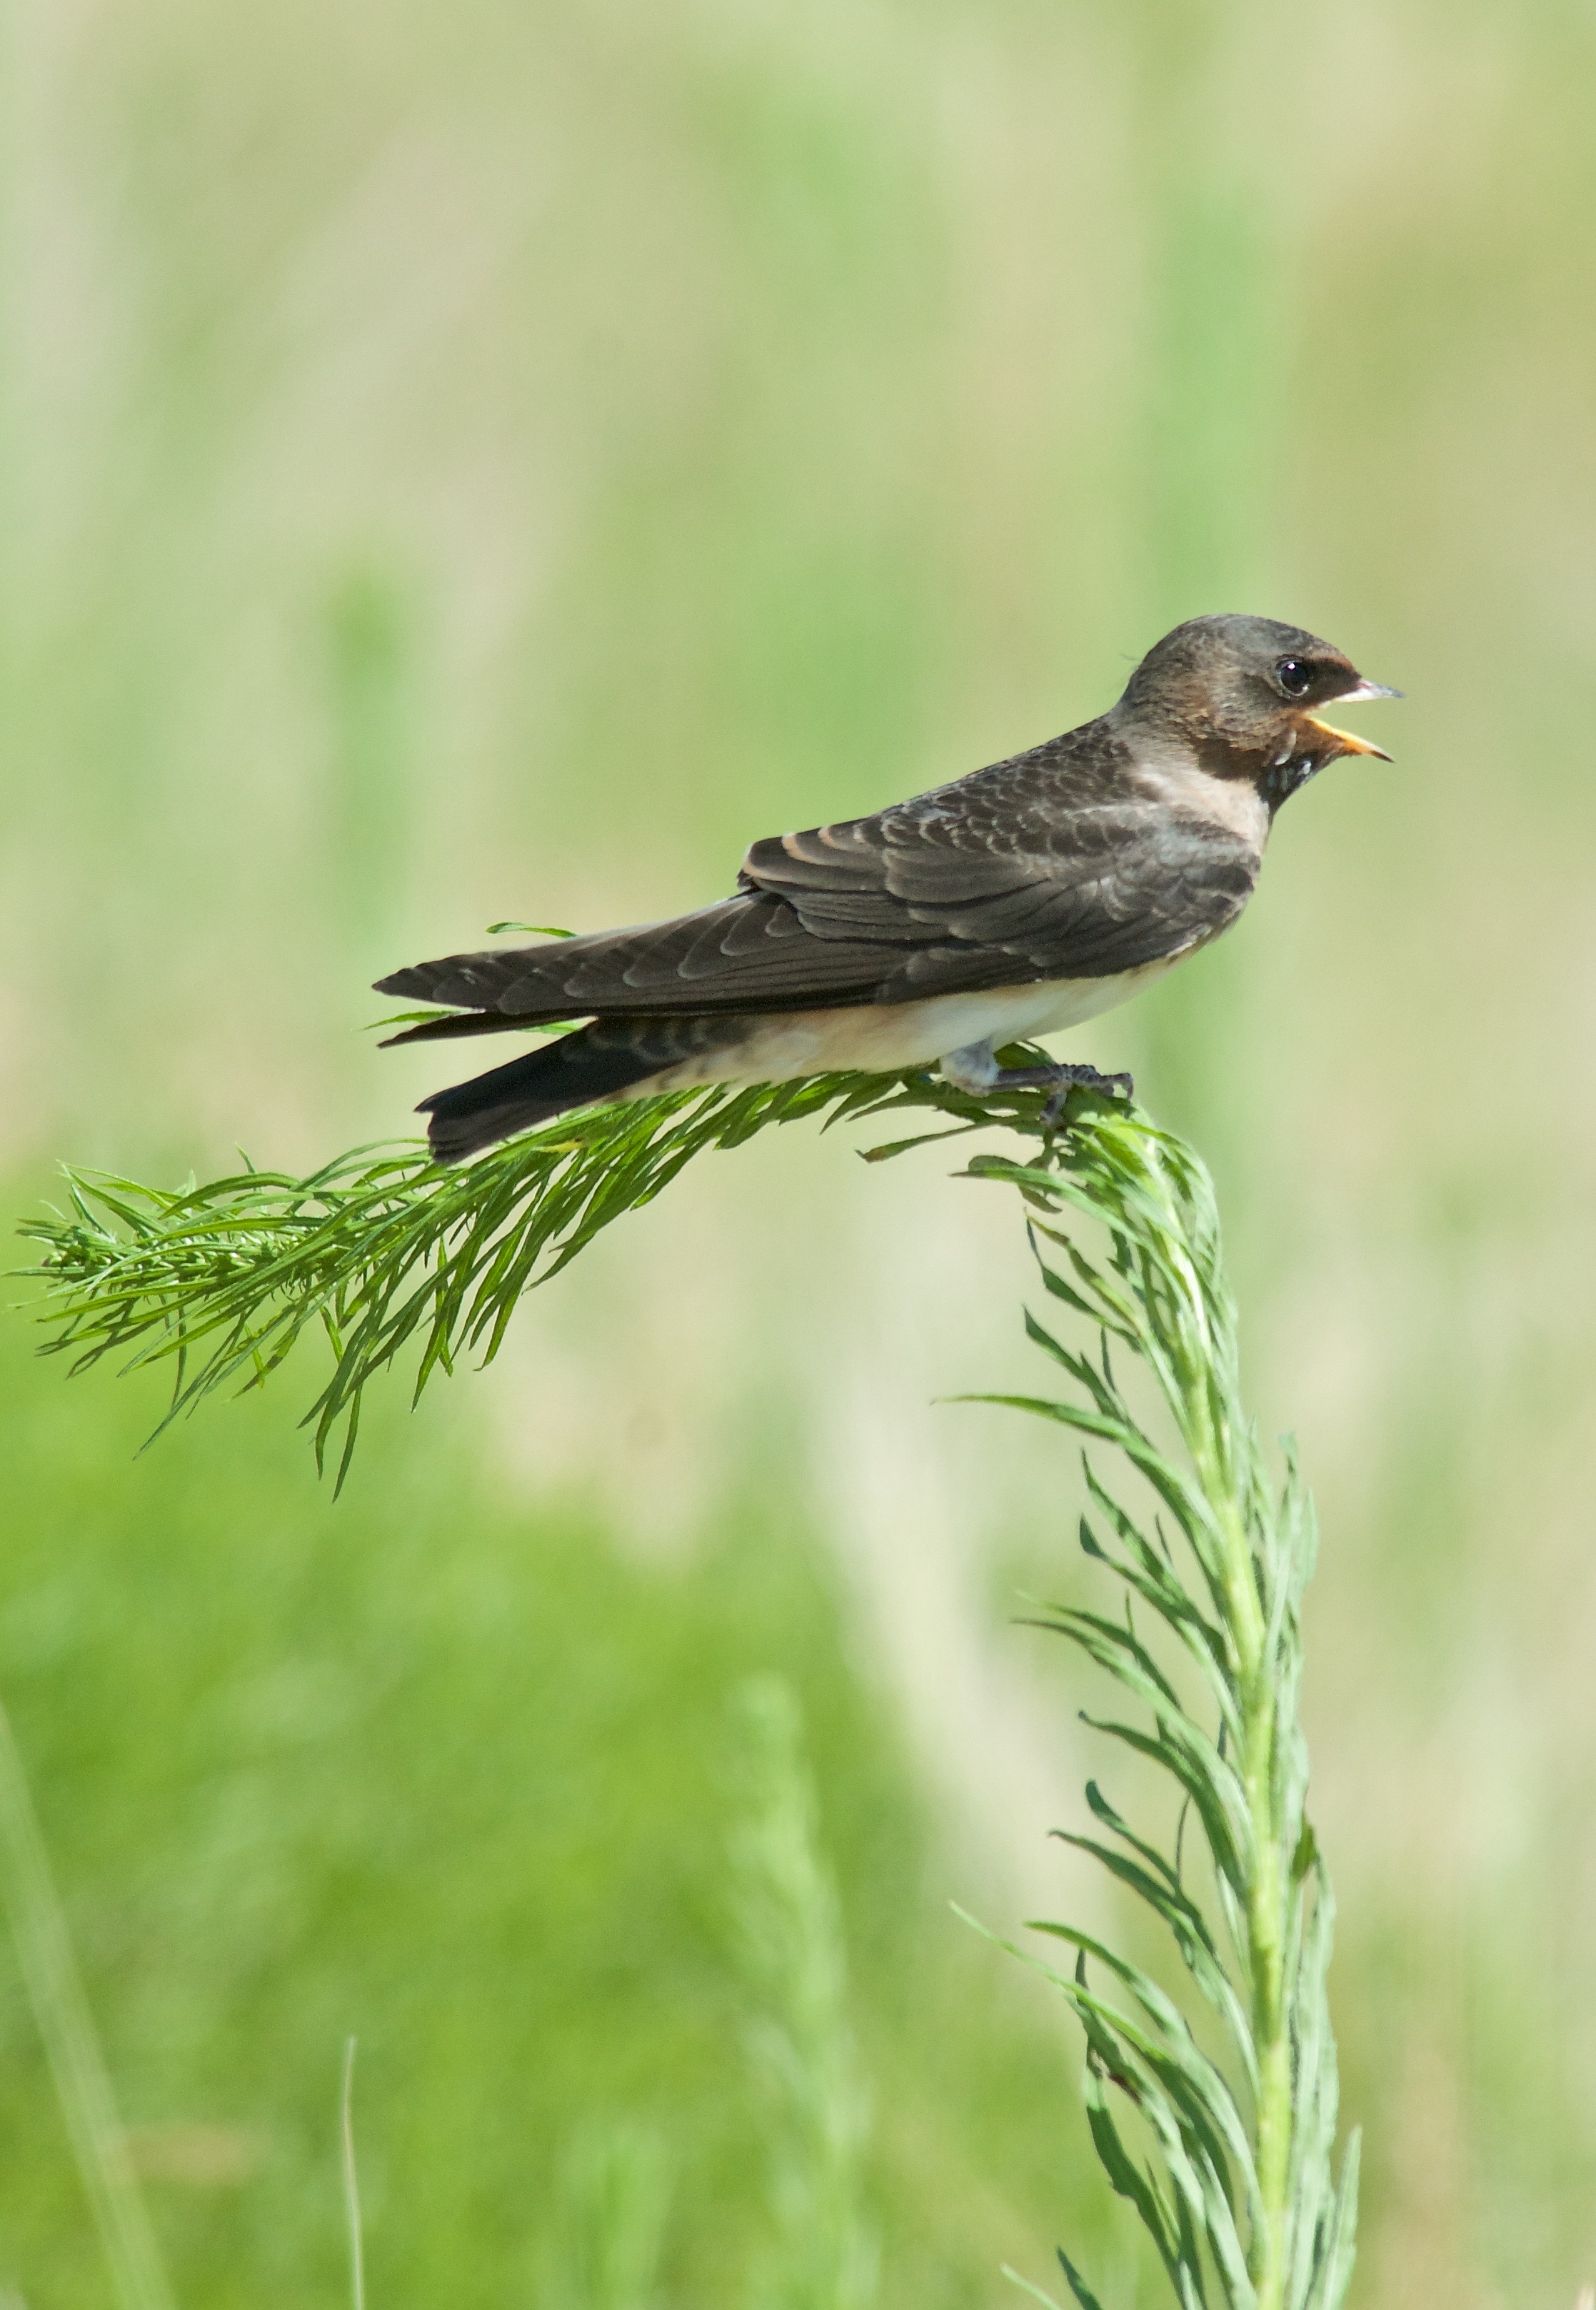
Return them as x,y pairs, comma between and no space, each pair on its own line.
451,1024
598,1061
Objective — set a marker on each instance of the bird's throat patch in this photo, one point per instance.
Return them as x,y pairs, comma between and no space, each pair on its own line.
1281,780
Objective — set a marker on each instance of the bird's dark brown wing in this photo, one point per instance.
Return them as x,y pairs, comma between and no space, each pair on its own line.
1039,868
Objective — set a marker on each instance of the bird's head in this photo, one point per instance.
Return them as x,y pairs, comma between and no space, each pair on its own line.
1242,691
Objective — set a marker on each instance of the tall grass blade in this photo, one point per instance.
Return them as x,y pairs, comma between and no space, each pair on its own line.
62,2015
789,1932
615,2197
351,2179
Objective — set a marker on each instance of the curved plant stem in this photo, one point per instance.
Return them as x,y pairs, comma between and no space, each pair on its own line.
385,1253
1241,2199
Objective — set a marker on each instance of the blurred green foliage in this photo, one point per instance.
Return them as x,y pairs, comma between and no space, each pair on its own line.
494,461
461,1781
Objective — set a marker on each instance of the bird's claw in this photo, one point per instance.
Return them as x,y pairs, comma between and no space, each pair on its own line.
1083,1078
1059,1081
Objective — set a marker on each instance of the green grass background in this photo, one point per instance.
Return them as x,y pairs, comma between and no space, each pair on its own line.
495,461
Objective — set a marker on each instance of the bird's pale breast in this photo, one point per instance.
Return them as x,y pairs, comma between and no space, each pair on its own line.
879,1038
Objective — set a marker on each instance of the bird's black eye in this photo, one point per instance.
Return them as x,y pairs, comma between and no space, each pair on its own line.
1294,677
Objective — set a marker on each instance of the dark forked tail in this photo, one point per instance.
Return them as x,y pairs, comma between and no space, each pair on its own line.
574,1072
597,1062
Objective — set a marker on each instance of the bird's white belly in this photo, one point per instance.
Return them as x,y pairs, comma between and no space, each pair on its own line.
880,1038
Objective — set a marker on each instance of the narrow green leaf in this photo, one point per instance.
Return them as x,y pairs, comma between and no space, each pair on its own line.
1077,2284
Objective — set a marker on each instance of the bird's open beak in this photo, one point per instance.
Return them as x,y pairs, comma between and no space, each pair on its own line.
1344,741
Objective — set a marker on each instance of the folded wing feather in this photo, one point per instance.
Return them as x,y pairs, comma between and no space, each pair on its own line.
938,896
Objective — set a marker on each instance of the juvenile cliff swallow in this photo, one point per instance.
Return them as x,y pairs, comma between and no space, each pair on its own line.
1012,903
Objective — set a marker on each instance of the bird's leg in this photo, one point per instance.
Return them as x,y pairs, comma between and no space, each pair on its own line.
975,1069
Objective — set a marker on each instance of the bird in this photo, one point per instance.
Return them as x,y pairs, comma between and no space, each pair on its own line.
1011,903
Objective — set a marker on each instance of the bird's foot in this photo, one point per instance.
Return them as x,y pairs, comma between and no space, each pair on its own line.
976,1070
1062,1080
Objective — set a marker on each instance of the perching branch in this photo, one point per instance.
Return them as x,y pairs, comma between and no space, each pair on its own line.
382,1248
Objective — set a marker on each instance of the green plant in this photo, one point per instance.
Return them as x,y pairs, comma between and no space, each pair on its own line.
1248,2196
790,1937
61,2012
379,1248
612,2195
1235,2181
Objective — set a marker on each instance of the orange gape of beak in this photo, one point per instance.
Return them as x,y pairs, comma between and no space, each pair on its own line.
1343,741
